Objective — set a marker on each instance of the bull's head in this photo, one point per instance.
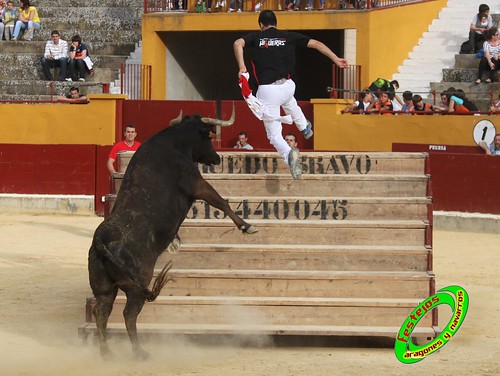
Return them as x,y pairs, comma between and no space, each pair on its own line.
203,151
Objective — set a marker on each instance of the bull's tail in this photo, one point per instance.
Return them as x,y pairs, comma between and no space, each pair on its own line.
160,281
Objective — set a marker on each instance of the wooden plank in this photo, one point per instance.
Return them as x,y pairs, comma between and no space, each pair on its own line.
282,185
298,257
298,284
309,330
402,233
182,311
313,163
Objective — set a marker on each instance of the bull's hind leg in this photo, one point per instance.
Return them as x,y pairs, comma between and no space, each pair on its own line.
105,293
135,302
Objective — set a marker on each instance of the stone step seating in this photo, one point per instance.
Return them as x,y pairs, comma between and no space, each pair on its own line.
347,250
462,76
111,29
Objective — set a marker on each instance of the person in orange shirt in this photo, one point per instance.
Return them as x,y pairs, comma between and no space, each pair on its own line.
384,103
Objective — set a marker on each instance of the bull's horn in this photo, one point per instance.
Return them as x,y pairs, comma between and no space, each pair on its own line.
177,120
222,123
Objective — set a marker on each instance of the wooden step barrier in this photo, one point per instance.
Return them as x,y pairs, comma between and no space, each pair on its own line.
347,250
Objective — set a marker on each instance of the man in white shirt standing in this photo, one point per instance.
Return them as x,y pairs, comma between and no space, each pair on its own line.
56,55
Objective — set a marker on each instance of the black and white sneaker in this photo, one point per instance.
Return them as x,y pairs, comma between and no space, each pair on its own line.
307,132
294,163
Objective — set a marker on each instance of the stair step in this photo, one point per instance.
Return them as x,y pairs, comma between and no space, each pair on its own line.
321,163
298,283
96,47
312,208
20,62
250,329
271,311
403,233
41,88
299,257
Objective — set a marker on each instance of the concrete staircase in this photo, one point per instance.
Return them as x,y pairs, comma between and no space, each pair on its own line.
111,29
437,48
347,250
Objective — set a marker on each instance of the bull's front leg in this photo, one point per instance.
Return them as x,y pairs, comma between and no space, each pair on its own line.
206,192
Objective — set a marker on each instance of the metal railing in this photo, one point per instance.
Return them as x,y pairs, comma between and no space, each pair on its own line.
155,6
136,81
346,82
432,95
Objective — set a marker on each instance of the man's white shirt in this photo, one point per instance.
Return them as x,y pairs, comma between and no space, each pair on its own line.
59,51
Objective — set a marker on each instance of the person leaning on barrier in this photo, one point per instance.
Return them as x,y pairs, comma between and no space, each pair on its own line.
420,106
242,142
129,144
55,55
74,97
366,102
494,148
458,102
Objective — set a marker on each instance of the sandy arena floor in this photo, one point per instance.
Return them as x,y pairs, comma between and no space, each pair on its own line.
43,286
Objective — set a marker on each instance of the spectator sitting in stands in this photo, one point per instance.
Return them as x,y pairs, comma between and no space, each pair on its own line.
79,60
408,104
496,105
9,19
2,11
291,140
494,148
243,142
366,102
384,104
74,97
420,106
55,55
457,102
491,59
311,7
479,24
129,144
232,6
28,19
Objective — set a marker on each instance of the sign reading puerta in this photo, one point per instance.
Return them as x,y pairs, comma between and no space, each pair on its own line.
458,300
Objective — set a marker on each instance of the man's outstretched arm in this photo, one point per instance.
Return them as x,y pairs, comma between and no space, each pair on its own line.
321,47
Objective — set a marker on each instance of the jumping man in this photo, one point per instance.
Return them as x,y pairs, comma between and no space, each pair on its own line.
274,63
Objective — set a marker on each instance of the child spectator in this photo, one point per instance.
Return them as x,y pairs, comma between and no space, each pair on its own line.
28,20
9,20
408,104
366,102
420,106
384,104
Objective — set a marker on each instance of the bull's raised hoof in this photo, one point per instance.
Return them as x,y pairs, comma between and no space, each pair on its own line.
158,189
250,229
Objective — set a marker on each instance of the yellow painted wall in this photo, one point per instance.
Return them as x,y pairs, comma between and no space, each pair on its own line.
46,123
335,131
384,35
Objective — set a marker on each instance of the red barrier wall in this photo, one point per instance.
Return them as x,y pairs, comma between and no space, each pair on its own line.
151,116
47,169
463,178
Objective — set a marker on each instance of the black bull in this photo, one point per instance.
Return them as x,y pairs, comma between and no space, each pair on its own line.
159,187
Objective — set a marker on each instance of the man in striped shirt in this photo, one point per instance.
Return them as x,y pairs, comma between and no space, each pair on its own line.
56,55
